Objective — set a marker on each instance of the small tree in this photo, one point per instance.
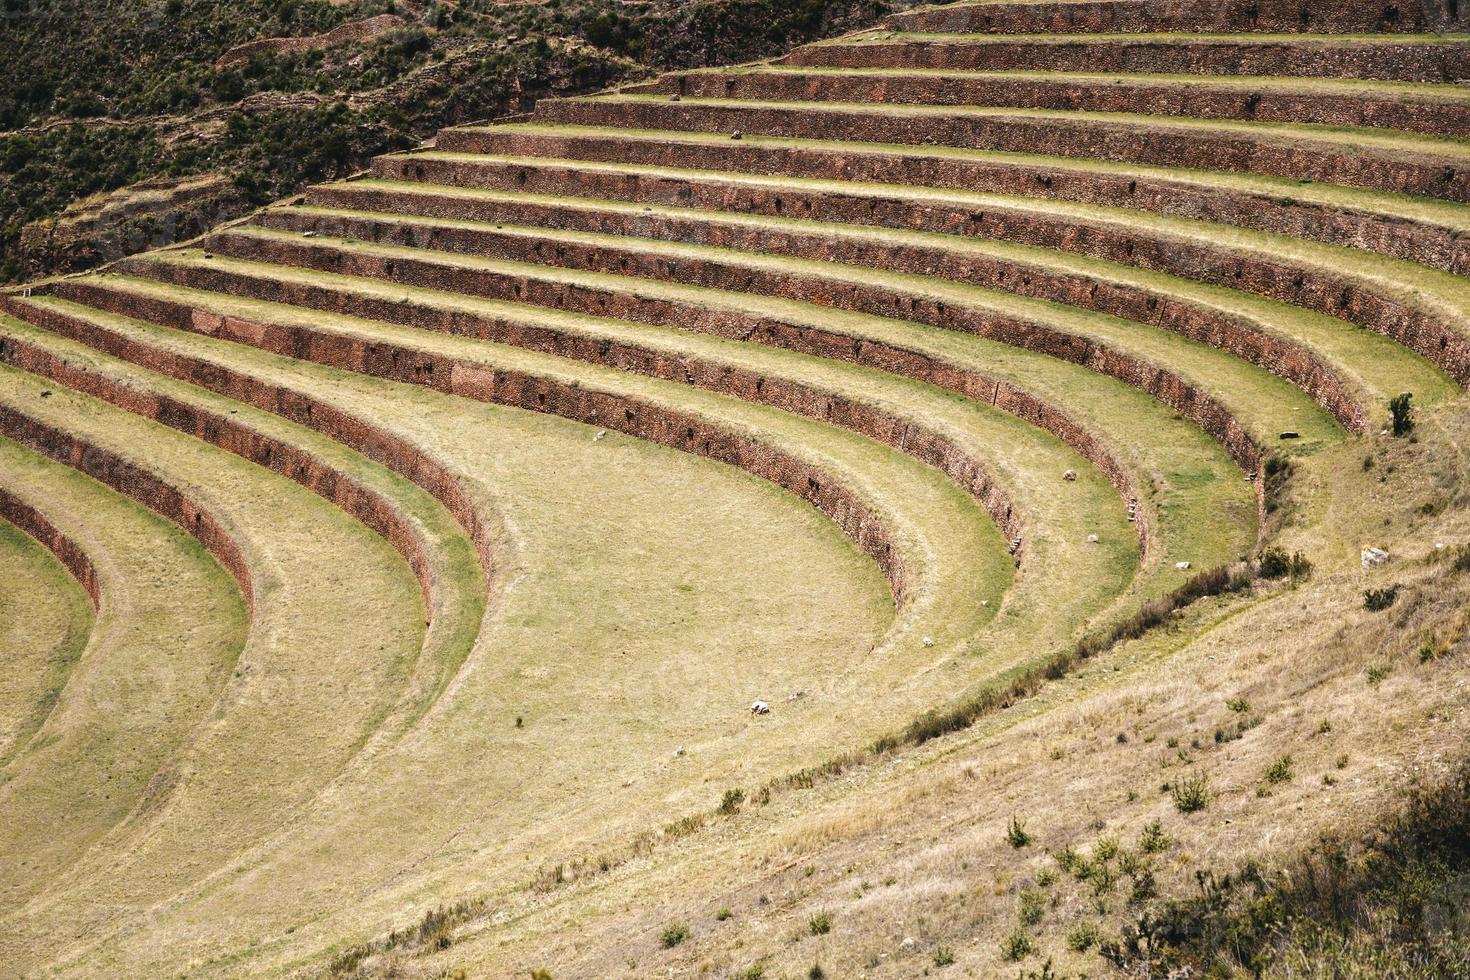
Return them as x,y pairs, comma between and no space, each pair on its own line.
1402,409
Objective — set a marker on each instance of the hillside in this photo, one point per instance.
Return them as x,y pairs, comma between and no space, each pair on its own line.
274,94
984,494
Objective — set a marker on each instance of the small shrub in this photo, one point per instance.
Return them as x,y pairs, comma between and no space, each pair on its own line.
1461,562
1144,887
1030,908
1191,794
540,975
816,972
1238,705
1083,936
819,924
943,956
1378,673
1017,946
756,971
1325,727
674,935
1274,563
1016,834
1046,877
1402,410
730,803
1106,848
1377,600
1342,761
1279,771
722,914
1153,840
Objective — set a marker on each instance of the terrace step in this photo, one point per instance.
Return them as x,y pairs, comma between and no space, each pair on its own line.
1124,349
1429,232
1438,110
1371,159
1383,57
66,344
907,349
774,378
48,600
1148,16
640,241
170,293
313,621
1194,273
942,431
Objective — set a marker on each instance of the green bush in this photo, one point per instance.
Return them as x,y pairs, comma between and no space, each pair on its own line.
1402,410
1377,600
1030,907
1279,771
730,802
1191,794
674,935
1017,946
1083,936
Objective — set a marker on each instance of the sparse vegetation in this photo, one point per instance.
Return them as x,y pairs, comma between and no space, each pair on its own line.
819,924
1389,904
1016,834
674,935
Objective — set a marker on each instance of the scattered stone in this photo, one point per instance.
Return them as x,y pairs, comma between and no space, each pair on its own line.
1181,565
737,135
1288,434
678,752
759,708
600,434
797,696
674,97
1070,475
909,945
1374,557
1093,539
928,641
45,392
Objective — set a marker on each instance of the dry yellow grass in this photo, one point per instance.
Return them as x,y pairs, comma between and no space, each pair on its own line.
916,847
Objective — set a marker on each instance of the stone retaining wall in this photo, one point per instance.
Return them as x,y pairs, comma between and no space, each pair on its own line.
68,552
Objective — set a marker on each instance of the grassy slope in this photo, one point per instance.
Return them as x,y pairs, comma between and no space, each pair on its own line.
45,622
